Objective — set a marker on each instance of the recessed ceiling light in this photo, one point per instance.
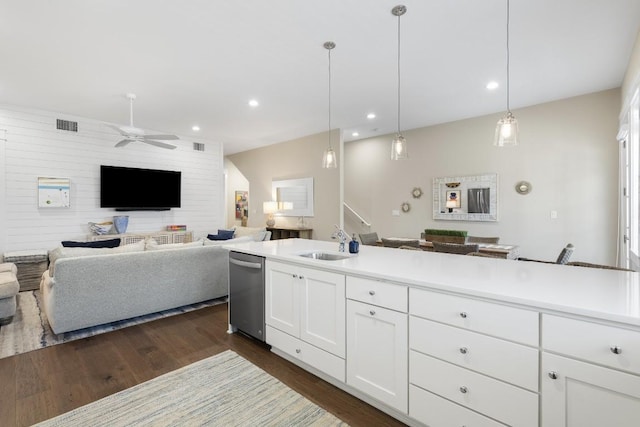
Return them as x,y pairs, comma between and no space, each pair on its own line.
253,103
371,116
355,134
195,128
492,85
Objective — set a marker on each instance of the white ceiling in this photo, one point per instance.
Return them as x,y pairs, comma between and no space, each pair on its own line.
200,61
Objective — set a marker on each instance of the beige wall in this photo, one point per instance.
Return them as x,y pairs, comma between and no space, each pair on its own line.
300,158
568,152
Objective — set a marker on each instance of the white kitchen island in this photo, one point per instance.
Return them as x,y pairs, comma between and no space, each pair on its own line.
450,340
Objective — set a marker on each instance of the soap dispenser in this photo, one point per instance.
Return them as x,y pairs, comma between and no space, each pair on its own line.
354,245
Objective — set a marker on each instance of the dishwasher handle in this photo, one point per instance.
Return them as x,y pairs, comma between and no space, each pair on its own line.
247,264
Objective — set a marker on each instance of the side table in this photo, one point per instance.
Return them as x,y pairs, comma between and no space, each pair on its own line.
31,264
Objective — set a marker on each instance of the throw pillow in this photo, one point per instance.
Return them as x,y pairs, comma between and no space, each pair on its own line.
110,243
222,235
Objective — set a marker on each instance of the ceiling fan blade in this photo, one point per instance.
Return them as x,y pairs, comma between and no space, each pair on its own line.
116,128
163,137
159,144
124,142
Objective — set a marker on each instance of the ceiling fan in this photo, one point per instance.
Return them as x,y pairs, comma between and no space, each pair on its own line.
133,134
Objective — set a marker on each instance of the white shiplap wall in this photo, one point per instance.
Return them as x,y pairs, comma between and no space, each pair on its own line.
32,147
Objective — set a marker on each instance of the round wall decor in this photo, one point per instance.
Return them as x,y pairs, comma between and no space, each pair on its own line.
416,192
406,207
523,187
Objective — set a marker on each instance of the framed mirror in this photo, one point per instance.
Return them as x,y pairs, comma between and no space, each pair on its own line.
466,198
295,194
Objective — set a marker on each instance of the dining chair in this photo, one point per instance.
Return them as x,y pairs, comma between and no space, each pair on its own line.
563,257
455,248
370,239
396,243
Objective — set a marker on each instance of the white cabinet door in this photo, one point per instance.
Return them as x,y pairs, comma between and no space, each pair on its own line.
322,320
282,298
586,395
377,345
308,304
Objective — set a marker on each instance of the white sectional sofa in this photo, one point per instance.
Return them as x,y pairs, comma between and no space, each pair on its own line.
90,290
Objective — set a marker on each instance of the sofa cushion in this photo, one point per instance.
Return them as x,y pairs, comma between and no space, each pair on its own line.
222,235
109,243
68,252
153,245
256,233
243,239
9,285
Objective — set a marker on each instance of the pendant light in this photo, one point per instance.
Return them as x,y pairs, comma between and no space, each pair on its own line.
399,144
507,127
329,159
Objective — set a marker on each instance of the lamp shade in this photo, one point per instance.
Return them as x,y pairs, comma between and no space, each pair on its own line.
399,148
329,159
270,207
506,131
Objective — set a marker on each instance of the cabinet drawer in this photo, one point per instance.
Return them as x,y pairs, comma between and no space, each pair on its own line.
493,398
313,356
510,362
592,342
378,293
432,410
510,323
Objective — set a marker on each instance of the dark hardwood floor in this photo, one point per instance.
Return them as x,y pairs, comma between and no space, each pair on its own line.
41,384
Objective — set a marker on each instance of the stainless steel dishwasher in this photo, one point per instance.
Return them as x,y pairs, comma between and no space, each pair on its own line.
246,294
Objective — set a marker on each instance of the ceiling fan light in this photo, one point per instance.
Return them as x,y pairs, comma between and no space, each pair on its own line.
329,159
399,148
506,131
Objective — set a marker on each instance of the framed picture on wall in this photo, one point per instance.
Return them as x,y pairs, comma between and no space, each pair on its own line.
242,204
54,192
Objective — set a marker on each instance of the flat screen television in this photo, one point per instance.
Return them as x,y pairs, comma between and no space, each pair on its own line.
132,189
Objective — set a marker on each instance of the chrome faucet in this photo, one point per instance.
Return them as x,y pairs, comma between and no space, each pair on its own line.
342,236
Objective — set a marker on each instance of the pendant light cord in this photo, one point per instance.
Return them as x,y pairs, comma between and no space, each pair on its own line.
330,99
398,74
508,72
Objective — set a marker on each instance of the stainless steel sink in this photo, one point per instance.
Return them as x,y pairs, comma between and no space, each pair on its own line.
325,256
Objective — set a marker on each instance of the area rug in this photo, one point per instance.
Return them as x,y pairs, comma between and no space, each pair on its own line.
222,390
30,329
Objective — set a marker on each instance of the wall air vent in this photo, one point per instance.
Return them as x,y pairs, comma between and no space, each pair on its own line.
66,125
198,146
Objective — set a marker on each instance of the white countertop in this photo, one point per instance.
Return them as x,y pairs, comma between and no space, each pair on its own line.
597,293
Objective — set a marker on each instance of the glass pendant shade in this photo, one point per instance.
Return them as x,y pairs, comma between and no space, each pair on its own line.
399,148
329,159
506,131
399,144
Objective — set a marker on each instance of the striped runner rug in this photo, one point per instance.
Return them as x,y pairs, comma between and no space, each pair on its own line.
222,390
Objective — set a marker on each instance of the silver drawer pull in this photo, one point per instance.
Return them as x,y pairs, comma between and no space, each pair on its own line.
371,312
464,350
298,350
463,389
301,277
616,350
553,375
372,293
463,314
